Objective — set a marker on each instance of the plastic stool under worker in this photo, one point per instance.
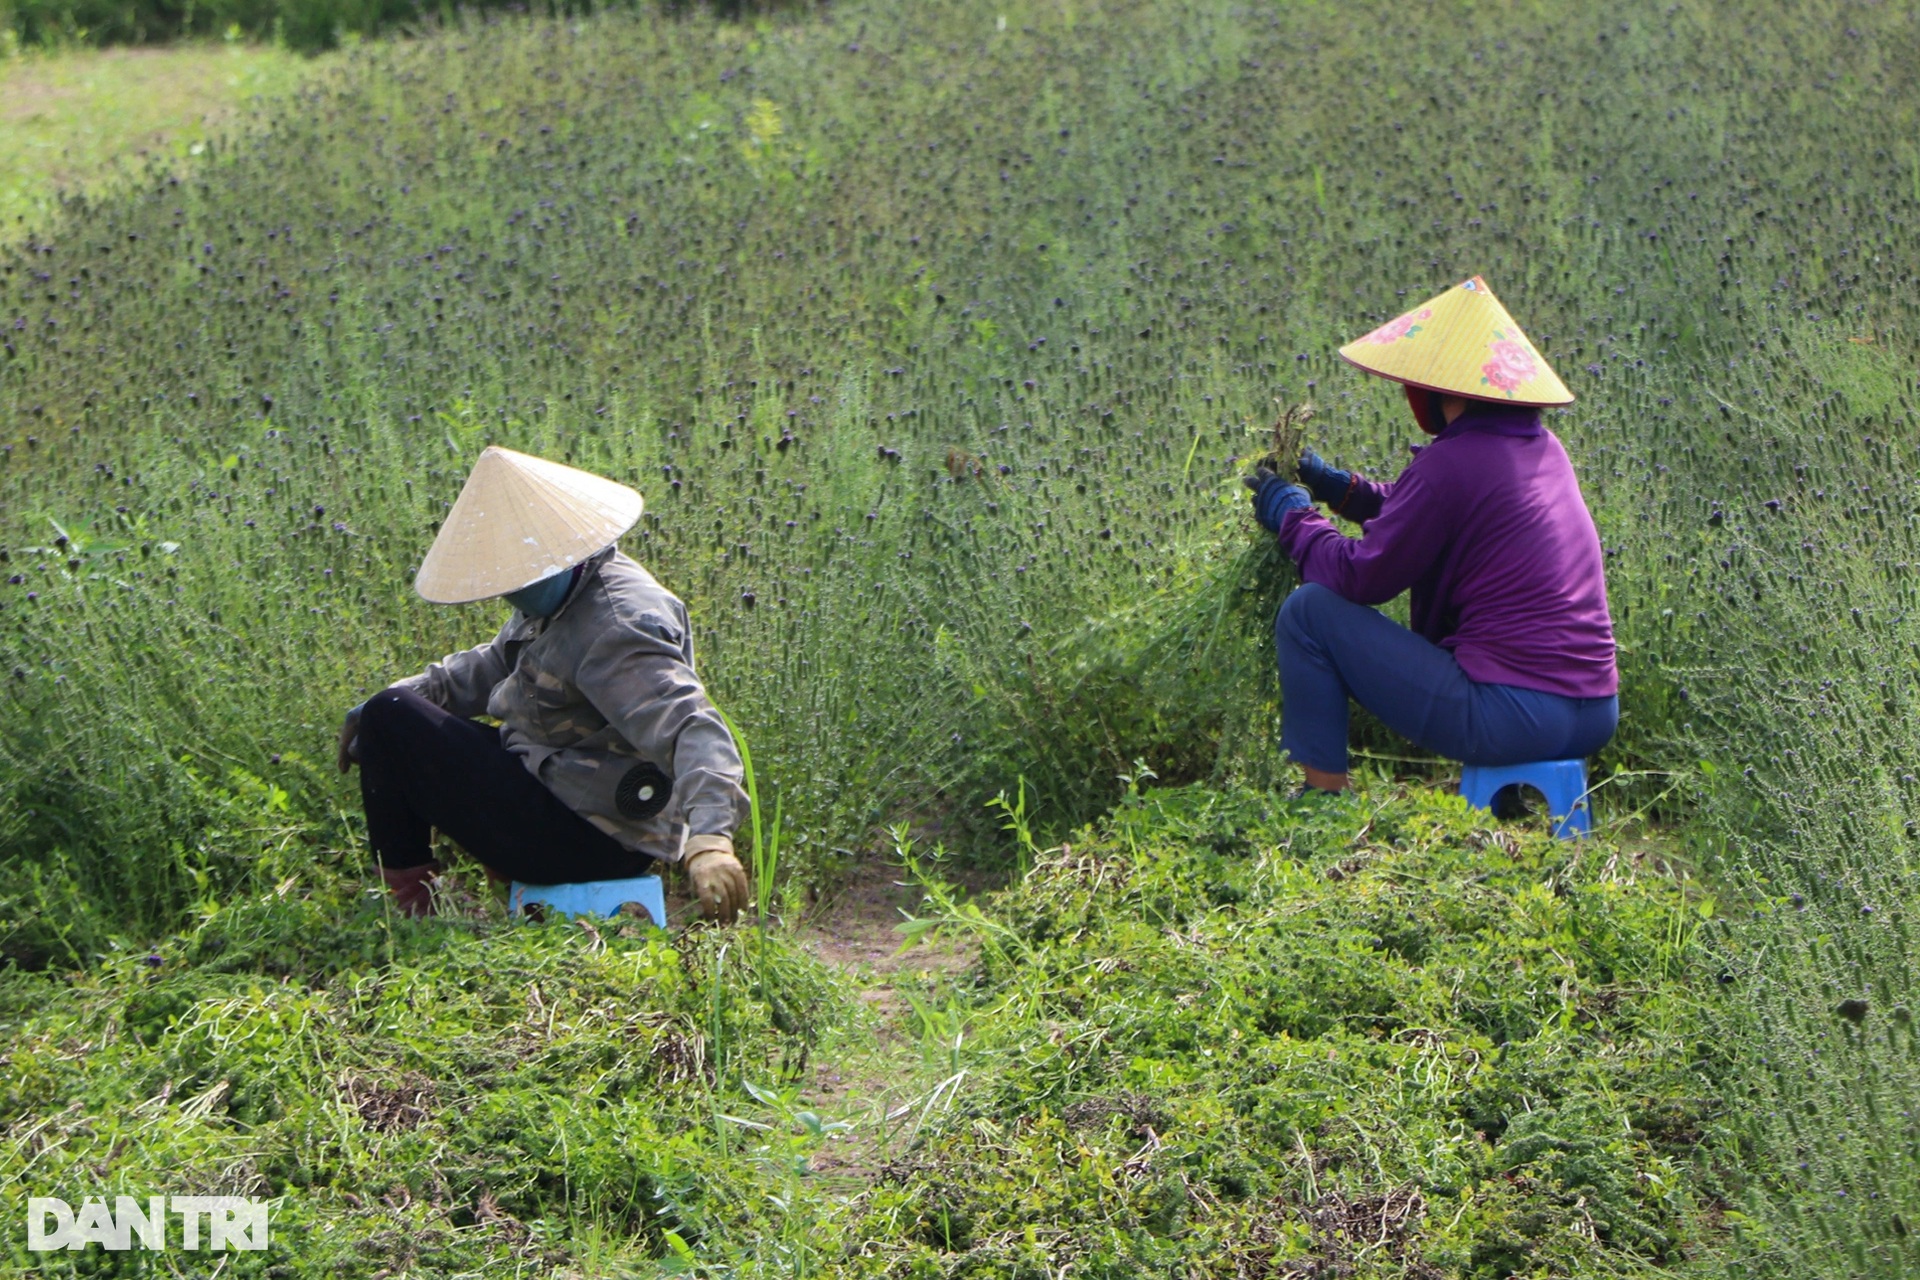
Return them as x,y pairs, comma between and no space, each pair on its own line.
1562,782
592,897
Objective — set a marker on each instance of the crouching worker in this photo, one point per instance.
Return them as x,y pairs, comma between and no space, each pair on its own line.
1511,655
608,756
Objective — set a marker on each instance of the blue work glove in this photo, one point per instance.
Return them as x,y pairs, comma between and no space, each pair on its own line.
1274,497
1326,483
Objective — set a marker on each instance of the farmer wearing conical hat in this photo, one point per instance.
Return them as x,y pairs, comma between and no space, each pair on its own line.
1511,654
608,756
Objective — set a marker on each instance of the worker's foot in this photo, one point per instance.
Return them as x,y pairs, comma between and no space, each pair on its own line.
1324,779
1314,793
412,887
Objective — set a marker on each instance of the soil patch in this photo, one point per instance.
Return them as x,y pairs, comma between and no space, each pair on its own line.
880,1085
853,926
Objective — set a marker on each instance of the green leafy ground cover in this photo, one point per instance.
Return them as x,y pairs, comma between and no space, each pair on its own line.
73,121
1215,1036
932,336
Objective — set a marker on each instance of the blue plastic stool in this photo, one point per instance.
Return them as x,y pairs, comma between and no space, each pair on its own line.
592,897
1562,782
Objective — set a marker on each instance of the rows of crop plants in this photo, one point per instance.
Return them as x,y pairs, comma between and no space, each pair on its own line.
932,336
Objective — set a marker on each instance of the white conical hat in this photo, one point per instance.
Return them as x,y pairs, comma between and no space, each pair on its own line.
519,519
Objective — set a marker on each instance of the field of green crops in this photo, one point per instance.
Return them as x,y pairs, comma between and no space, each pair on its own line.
932,335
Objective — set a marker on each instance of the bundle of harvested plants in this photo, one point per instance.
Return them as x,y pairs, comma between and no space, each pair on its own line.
1189,670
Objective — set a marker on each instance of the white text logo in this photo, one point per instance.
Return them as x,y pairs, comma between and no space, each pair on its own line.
205,1222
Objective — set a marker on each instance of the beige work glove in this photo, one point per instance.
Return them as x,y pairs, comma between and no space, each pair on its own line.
719,881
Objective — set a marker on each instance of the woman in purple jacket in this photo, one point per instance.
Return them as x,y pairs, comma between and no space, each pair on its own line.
1511,654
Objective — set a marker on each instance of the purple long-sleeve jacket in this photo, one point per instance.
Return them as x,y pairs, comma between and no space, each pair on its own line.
1487,528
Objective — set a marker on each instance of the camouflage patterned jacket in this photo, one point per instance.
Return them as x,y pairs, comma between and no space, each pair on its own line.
601,703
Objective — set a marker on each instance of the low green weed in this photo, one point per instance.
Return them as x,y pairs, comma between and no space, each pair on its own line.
446,1095
1379,1037
1217,1033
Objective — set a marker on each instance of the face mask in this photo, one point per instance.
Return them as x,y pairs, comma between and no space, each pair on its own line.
1426,410
543,597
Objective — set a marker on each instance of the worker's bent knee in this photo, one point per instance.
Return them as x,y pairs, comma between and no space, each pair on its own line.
387,715
1302,611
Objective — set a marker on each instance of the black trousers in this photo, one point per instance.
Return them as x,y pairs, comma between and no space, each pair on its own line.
422,767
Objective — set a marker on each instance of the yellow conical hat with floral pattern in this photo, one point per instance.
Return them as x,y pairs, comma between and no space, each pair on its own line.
1465,344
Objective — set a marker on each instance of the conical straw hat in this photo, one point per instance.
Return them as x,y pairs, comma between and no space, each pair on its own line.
1463,343
519,519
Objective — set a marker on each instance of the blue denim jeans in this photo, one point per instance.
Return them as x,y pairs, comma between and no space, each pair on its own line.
1332,650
